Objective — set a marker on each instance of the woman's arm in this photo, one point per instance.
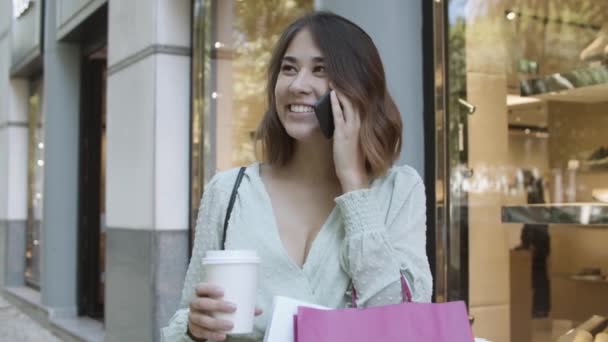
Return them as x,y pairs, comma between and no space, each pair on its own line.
378,247
208,224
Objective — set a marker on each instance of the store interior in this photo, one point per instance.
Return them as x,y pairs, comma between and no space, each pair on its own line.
537,187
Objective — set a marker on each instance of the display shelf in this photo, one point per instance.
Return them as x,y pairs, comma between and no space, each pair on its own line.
565,82
583,278
594,214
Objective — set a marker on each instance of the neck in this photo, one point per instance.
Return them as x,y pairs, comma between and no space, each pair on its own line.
312,162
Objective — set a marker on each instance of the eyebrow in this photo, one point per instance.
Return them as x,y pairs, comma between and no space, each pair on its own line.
292,59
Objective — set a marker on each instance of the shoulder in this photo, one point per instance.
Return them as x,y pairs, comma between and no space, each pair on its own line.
401,187
400,178
223,181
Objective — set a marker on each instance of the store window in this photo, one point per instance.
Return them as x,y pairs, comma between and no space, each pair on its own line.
35,184
525,158
232,43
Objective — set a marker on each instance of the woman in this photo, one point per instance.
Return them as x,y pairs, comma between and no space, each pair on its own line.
322,213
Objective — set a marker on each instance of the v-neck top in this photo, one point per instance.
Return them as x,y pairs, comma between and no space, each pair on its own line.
369,239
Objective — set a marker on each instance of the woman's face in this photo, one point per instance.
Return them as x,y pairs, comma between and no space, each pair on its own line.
301,81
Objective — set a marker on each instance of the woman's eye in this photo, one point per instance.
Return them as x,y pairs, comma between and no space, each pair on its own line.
288,69
319,69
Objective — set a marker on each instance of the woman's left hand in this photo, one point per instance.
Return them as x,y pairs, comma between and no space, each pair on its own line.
349,160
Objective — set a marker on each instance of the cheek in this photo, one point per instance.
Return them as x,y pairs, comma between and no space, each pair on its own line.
324,83
281,86
279,94
322,87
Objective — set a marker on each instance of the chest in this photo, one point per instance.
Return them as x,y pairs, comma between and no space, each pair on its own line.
299,214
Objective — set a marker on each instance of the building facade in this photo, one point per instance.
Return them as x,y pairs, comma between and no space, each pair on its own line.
115,114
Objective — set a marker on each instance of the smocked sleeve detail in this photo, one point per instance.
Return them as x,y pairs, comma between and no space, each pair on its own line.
380,243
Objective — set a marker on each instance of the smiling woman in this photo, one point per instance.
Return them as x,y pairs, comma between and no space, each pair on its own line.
322,214
312,51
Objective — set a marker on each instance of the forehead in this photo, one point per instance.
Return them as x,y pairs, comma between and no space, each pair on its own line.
303,47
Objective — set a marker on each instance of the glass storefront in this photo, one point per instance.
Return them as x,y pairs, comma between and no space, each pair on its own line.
231,49
522,93
34,184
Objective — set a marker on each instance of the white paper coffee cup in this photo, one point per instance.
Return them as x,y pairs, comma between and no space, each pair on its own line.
236,272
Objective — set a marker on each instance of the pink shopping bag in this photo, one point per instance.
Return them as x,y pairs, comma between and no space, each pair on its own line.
405,322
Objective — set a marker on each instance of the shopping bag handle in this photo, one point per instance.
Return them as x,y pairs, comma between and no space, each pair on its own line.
406,294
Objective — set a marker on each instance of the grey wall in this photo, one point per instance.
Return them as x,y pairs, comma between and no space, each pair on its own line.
396,28
59,228
71,13
144,281
12,253
26,36
5,17
5,62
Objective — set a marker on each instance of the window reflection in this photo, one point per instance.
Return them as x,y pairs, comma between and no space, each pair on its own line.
232,44
35,184
528,170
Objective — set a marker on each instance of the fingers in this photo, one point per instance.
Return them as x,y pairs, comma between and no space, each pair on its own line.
211,305
208,299
348,111
204,333
206,327
337,110
209,323
208,290
346,117
201,322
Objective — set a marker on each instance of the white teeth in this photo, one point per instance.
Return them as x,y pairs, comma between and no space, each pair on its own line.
300,108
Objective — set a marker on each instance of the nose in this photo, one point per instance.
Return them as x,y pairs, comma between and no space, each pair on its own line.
301,84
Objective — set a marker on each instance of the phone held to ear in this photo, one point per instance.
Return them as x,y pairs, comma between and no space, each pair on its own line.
325,115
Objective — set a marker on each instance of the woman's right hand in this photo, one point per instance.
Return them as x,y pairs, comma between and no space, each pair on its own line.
208,299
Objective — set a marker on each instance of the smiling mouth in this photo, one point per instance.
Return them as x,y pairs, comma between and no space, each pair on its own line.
301,108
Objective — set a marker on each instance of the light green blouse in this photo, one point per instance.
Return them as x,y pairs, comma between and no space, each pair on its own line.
370,236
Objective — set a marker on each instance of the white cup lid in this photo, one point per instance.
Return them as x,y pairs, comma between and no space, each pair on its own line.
231,256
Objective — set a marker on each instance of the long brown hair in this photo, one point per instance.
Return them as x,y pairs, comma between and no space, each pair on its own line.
354,67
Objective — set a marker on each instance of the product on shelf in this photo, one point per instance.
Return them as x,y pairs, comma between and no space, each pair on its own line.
586,331
601,337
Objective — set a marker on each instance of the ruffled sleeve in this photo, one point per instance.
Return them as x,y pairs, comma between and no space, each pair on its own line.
385,236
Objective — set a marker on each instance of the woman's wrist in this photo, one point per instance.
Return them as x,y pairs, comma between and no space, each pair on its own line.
354,183
348,187
353,180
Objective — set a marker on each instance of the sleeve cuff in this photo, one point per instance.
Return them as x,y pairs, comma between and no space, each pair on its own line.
360,211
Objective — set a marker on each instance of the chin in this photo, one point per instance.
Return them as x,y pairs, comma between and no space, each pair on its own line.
303,133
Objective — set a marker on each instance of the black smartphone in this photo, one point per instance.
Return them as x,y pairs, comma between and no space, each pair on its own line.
325,115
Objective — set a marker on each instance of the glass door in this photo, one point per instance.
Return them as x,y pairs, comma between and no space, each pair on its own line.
92,232
232,41
522,116
35,184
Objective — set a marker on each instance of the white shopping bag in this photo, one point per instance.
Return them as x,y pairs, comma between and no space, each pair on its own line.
280,328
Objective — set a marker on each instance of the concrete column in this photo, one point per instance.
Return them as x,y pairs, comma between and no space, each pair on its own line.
147,165
396,28
61,131
13,171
